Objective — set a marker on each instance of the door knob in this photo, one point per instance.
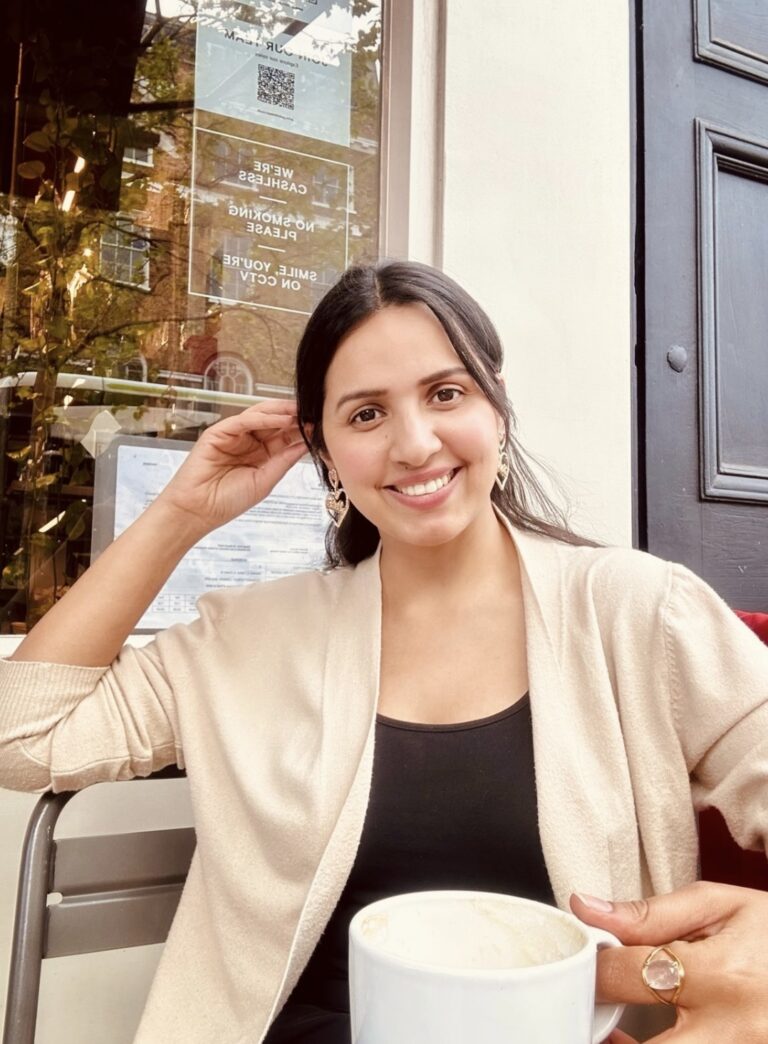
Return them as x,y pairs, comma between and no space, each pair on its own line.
677,357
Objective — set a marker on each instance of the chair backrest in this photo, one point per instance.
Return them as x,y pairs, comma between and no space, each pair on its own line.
84,894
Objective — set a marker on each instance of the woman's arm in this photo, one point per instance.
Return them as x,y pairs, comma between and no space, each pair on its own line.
75,707
234,465
718,683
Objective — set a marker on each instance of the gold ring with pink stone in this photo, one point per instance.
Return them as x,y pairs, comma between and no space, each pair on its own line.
663,973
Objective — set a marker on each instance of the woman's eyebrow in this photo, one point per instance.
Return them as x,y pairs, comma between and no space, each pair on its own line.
375,393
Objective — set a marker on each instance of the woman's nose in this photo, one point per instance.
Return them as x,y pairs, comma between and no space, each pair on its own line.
415,440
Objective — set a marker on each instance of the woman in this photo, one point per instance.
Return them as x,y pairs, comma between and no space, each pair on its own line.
466,634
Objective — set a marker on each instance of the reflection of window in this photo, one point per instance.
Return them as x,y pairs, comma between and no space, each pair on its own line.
230,160
351,208
226,161
228,373
134,369
231,282
327,275
142,157
7,239
125,256
325,188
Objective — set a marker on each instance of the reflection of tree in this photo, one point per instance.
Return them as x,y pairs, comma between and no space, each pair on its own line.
64,308
94,251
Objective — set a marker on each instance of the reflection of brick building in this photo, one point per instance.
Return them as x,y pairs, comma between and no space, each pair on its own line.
218,368
202,349
102,325
209,340
130,271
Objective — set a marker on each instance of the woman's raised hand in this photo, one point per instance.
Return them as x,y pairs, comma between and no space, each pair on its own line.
720,935
235,464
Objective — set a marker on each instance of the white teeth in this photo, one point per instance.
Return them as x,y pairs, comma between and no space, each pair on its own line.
423,488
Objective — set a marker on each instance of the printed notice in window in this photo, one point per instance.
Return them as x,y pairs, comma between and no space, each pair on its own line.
282,535
269,226
280,63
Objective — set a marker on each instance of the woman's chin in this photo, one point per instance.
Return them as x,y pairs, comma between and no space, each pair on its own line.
426,533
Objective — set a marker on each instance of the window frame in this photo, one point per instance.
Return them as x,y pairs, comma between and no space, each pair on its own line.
133,231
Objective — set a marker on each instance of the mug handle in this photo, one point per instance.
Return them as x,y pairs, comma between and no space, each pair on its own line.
606,1015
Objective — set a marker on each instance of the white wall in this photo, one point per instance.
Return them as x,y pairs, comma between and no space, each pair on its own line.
536,225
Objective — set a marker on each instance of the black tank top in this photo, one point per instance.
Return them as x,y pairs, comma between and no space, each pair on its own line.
451,806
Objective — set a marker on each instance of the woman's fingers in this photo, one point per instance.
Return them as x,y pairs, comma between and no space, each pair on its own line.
280,451
271,406
268,413
692,912
259,424
717,933
620,974
242,436
285,454
274,413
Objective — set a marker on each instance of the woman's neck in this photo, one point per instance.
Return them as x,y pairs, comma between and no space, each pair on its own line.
480,561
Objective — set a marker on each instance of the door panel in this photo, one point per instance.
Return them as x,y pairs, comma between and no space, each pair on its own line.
733,35
705,303
733,290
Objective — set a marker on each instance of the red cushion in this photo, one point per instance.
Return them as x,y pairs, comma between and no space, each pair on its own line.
758,622
721,857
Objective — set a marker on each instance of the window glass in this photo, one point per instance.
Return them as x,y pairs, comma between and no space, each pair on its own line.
124,254
179,184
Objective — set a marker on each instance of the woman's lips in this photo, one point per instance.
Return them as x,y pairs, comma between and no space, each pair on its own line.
417,486
423,501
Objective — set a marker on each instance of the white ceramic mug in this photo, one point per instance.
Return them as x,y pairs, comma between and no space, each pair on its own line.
457,967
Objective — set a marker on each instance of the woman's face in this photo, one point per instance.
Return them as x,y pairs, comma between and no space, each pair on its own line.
413,439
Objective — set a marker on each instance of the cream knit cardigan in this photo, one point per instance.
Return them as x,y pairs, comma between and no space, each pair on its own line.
645,689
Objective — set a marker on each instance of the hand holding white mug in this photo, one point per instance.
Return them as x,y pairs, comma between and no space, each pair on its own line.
718,933
235,464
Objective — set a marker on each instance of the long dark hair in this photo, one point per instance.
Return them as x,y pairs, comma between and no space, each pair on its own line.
360,292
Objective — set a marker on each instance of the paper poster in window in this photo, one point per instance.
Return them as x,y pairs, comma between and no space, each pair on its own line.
282,535
279,63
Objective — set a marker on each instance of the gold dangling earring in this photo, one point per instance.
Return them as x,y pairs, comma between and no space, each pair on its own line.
502,470
336,502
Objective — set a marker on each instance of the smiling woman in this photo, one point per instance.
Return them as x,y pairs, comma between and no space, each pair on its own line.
410,324
419,459
472,697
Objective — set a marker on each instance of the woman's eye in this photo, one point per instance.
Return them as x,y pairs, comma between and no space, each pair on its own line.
448,394
366,415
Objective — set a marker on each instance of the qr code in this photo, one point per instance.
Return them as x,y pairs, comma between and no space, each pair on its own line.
276,87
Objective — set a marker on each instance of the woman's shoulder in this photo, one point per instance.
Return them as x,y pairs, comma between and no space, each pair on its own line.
624,580
606,565
612,581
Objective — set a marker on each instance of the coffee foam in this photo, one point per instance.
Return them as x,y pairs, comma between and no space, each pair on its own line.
473,934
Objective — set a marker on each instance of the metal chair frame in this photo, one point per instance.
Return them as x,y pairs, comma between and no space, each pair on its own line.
85,894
